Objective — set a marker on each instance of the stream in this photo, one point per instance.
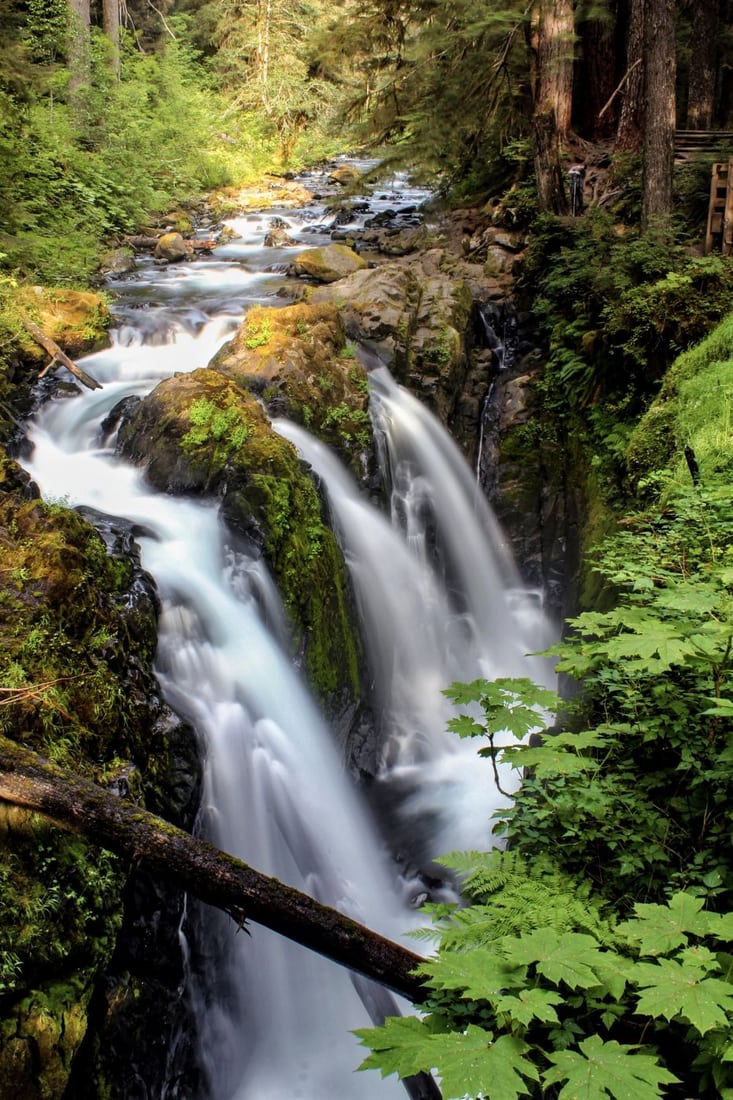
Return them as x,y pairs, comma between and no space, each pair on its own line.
439,599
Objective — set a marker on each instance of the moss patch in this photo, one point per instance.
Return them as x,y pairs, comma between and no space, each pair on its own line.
693,409
298,360
202,433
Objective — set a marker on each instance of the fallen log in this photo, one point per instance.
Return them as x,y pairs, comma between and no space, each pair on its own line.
140,242
194,865
57,355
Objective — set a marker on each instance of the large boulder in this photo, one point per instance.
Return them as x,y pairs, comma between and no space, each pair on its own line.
328,264
415,316
203,433
77,320
297,360
172,247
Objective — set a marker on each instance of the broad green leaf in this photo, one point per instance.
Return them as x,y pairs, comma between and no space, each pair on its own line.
659,929
606,1069
669,989
468,1063
529,1004
660,640
477,973
723,707
547,760
569,957
465,726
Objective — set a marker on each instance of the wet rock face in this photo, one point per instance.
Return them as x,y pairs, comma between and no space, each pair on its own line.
524,473
414,316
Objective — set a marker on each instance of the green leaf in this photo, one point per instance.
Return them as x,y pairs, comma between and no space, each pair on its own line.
529,1004
659,929
669,989
547,760
476,973
465,726
570,957
606,1069
468,1063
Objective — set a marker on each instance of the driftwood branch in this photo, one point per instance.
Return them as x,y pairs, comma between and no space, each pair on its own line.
57,355
196,866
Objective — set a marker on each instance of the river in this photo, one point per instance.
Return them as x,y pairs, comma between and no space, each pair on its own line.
439,599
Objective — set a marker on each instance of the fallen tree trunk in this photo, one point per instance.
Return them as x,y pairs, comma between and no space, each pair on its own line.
196,866
58,355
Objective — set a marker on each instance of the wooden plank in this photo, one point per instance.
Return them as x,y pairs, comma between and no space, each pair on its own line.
727,243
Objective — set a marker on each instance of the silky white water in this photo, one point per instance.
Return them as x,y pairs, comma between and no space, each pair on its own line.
274,1019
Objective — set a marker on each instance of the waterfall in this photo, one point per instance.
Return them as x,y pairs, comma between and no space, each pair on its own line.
274,1019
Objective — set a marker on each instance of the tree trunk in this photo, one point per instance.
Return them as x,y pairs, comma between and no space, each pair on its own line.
78,49
703,65
553,43
196,866
111,26
631,120
597,77
659,117
551,63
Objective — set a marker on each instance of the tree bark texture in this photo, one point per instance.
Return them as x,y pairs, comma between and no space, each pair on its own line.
631,120
551,41
553,44
111,27
196,866
597,77
79,49
703,65
659,117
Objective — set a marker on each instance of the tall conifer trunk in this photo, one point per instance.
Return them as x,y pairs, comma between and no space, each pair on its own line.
631,119
551,56
659,118
703,65
78,52
111,25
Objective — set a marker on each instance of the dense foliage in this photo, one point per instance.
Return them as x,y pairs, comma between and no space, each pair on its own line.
594,953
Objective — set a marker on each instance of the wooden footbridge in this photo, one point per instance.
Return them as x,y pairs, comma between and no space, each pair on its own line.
690,144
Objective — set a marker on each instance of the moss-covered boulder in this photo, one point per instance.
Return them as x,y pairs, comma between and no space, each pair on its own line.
328,264
77,320
692,409
298,361
202,433
77,642
415,315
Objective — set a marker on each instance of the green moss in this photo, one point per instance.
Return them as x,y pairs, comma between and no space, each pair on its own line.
692,409
298,360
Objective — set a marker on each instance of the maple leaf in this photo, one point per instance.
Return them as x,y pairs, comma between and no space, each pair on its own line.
659,929
606,1069
570,957
469,1062
529,1004
669,988
476,973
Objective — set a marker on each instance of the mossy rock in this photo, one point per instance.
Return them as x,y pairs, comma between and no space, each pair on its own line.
415,314
39,1039
202,433
691,409
78,320
328,264
298,361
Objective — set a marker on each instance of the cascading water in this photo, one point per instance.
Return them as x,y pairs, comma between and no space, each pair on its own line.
274,1020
